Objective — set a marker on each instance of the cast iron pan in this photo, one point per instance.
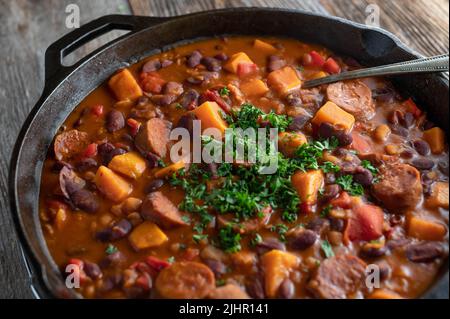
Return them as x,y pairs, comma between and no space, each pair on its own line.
65,87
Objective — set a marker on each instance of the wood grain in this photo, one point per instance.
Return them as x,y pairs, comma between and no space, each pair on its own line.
28,27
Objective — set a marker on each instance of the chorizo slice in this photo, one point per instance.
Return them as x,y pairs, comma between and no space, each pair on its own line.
154,137
399,188
354,97
160,210
338,277
185,280
229,291
249,225
69,143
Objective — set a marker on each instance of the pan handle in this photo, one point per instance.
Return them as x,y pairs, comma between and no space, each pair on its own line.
87,32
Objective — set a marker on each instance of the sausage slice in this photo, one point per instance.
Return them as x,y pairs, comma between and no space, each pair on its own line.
159,209
399,188
229,291
353,96
338,277
185,280
70,143
154,137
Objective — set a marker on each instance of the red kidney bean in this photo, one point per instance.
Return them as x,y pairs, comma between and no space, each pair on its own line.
113,260
114,121
424,252
211,64
318,224
385,270
187,121
407,154
422,163
151,66
362,176
399,130
152,160
217,267
286,289
163,99
92,270
407,120
372,252
269,244
86,164
330,178
221,56
298,122
344,138
326,130
293,99
337,224
85,200
173,88
329,192
194,59
189,99
274,63
255,288
302,239
421,147
154,185
166,63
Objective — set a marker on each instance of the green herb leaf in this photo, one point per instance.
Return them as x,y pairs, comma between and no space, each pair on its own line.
229,240
199,237
110,249
368,165
327,249
224,91
347,184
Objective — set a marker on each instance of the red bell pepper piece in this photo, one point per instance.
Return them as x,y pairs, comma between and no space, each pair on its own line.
331,66
152,82
214,96
316,59
306,208
134,126
245,69
156,263
91,150
366,223
412,107
97,110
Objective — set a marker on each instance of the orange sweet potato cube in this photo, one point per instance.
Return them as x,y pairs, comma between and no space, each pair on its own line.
112,185
147,235
235,60
277,265
308,185
210,114
425,229
435,137
124,86
130,164
333,114
264,46
284,80
254,87
439,196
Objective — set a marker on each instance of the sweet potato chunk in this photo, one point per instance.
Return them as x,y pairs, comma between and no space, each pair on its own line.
289,142
254,87
435,137
154,137
124,86
160,210
185,280
425,229
439,196
333,114
384,294
307,185
235,60
210,114
264,46
170,169
284,80
147,235
70,143
130,164
112,185
277,265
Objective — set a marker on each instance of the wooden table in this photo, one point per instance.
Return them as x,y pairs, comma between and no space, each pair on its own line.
28,27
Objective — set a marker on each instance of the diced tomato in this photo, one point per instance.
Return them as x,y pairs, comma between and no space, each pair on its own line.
306,208
214,96
145,268
156,263
77,262
97,110
91,150
412,107
152,82
360,144
331,66
134,126
316,59
366,223
343,201
143,282
245,69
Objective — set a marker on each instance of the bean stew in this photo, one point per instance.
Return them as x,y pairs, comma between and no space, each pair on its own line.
360,187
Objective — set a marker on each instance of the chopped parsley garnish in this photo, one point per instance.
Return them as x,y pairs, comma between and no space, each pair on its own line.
327,249
199,237
111,249
368,165
229,240
161,163
220,282
325,211
329,167
281,229
256,240
347,184
171,259
224,91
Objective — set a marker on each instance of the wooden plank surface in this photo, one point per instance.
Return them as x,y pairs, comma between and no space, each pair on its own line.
29,27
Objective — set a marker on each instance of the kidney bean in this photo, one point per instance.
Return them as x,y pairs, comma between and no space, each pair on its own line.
422,163
396,219
274,63
318,224
85,200
195,80
121,229
424,252
443,167
92,270
189,99
407,154
344,138
269,244
211,64
421,147
399,130
86,164
255,288
109,156
337,224
407,120
163,99
302,239
217,267
114,121
362,176
286,289
370,251
330,178
326,130
221,56
165,63
173,88
294,100
152,65
194,59
397,243
330,191
152,159
154,185
112,260
298,122
385,270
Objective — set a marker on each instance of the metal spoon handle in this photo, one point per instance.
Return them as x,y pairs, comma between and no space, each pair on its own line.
432,64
